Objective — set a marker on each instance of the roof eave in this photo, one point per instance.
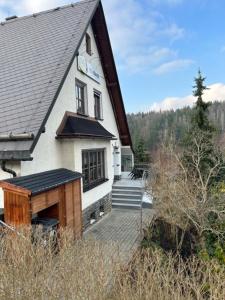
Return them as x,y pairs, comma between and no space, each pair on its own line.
82,136
100,29
16,155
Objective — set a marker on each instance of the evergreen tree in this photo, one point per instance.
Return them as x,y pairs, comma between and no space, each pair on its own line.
200,137
200,115
140,151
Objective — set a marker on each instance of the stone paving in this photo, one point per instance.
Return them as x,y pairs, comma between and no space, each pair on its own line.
122,228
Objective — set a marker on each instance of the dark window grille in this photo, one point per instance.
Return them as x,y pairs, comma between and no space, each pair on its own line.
93,167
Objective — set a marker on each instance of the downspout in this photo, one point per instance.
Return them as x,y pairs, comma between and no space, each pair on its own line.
3,167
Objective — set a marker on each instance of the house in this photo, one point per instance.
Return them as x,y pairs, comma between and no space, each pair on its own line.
60,101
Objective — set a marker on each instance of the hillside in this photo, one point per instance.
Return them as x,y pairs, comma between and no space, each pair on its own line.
152,127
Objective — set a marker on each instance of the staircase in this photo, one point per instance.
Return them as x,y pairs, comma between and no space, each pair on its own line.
126,197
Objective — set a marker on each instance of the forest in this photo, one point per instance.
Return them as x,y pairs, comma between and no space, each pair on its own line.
153,127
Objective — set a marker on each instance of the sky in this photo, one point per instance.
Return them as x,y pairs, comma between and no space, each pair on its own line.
159,46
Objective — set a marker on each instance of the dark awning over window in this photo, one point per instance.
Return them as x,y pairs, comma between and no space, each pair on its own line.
74,126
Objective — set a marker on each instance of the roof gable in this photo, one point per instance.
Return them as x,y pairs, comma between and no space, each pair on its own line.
35,54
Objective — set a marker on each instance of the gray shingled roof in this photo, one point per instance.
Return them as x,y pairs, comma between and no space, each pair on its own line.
35,53
44,181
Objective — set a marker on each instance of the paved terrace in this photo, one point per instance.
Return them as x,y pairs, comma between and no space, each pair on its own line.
122,228
127,181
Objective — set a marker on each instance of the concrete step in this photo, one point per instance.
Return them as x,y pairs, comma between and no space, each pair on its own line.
125,206
125,196
125,201
127,192
127,188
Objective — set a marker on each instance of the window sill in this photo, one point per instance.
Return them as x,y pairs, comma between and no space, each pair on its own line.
94,185
99,119
81,114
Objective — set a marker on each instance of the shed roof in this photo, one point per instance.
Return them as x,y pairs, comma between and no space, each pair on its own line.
75,126
41,182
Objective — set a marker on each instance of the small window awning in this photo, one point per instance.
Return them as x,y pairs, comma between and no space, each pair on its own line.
75,126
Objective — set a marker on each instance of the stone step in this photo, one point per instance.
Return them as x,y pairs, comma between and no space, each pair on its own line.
125,196
129,188
125,206
125,201
127,192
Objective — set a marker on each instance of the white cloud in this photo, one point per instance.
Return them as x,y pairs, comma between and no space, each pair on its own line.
216,92
140,36
24,7
174,32
173,66
149,57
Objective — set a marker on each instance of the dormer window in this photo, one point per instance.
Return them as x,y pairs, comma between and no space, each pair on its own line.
88,44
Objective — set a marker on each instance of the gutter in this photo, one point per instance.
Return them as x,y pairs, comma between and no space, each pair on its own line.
16,137
5,169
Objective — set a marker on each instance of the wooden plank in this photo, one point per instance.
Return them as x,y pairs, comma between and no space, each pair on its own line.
45,200
13,188
62,208
16,209
77,209
69,205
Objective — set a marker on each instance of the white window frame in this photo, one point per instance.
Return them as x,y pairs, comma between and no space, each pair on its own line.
82,85
99,94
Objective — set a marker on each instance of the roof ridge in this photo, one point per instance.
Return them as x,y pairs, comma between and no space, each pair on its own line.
46,11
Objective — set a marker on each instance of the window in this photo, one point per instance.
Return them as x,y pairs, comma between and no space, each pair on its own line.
93,168
98,105
88,44
81,97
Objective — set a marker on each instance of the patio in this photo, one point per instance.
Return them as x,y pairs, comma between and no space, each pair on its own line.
122,228
128,182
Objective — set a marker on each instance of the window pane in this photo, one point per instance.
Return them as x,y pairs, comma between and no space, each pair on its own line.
97,98
80,96
88,44
92,166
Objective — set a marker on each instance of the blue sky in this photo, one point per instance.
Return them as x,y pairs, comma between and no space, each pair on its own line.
159,46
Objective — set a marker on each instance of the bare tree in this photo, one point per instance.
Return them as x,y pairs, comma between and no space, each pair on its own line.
189,197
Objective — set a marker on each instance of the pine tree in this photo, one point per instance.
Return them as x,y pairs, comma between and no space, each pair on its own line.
140,151
200,137
200,115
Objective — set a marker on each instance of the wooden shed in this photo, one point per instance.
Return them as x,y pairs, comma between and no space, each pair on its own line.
52,194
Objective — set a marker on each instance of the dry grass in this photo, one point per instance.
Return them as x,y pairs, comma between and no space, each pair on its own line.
155,276
87,270
79,270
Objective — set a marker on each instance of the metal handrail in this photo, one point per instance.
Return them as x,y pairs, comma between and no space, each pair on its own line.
144,177
11,228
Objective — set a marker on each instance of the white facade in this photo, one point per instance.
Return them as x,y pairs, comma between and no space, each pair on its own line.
51,153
